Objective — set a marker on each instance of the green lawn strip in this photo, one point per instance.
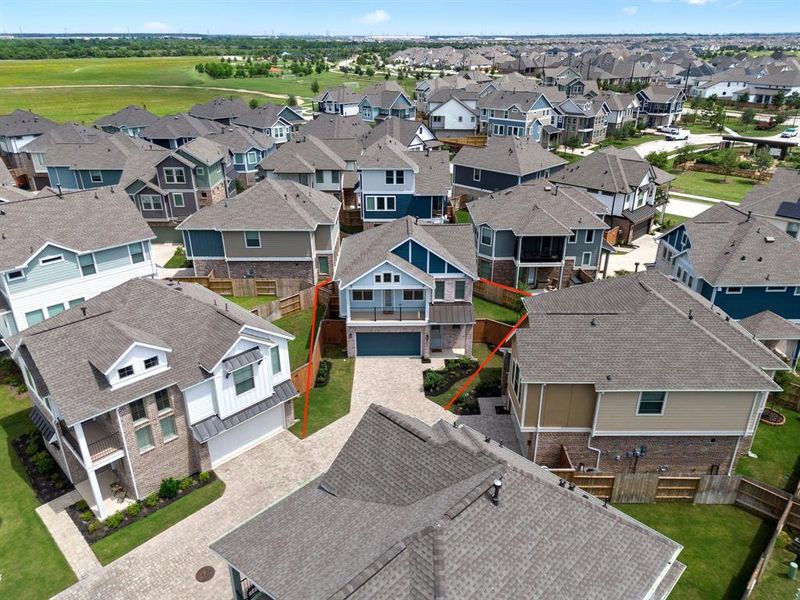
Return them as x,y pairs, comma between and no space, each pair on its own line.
713,185
177,261
569,157
31,564
250,302
774,583
299,325
491,372
752,131
671,221
778,451
328,403
703,129
722,544
462,216
632,141
497,312
119,543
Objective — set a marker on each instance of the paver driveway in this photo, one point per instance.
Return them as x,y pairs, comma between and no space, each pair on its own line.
165,566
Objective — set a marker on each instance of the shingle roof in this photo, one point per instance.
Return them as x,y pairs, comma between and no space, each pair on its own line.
387,153
68,133
727,248
241,139
205,149
23,122
405,512
341,94
697,349
537,208
433,173
182,125
606,171
303,154
779,198
265,115
370,248
327,127
220,108
81,221
196,324
766,325
110,152
130,116
402,130
270,205
517,156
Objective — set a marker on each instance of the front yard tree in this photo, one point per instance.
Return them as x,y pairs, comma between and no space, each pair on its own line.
658,159
748,117
315,86
763,159
728,162
253,103
292,100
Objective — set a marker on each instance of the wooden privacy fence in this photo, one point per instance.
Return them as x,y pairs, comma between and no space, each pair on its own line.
248,287
492,293
487,331
329,333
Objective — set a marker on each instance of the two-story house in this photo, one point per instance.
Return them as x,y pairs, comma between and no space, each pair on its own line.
405,289
622,109
173,131
538,236
151,380
777,201
309,161
222,110
273,230
583,118
660,105
341,100
623,181
386,99
453,112
247,147
336,127
503,163
129,120
17,129
273,120
59,250
681,392
415,135
395,182
739,262
520,114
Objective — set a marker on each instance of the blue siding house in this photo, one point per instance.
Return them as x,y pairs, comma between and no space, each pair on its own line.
740,263
386,99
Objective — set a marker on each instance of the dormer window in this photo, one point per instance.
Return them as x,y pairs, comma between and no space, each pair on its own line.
151,362
124,372
244,379
15,275
395,177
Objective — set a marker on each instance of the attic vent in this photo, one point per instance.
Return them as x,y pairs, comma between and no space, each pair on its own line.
547,188
769,239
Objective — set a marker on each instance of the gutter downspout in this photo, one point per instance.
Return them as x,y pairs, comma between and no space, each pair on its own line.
594,426
538,421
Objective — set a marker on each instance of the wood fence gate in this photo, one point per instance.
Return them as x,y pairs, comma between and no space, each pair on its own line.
677,489
600,486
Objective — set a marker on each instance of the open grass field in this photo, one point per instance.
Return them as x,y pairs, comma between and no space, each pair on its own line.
713,185
632,141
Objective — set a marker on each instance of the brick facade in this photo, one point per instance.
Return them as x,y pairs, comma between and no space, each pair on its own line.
457,336
422,329
206,197
263,269
504,272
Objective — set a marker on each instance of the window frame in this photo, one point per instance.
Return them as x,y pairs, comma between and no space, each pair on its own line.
387,200
319,176
413,295
584,261
150,360
92,176
131,253
170,418
363,294
247,241
53,314
734,290
327,269
151,445
251,380
484,230
92,265
174,171
158,396
275,355
21,275
254,158
663,401
125,372
51,260
775,289
175,196
589,236
460,283
147,202
137,402
30,312
436,285
476,174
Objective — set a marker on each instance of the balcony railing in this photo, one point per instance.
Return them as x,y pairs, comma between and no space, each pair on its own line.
538,257
388,313
105,446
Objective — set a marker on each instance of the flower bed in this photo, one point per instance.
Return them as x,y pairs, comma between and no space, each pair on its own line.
466,404
44,474
171,490
772,417
436,381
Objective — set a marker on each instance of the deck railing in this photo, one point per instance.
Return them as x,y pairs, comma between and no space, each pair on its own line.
388,313
105,446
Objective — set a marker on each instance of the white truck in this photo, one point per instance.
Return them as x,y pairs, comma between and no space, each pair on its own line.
674,134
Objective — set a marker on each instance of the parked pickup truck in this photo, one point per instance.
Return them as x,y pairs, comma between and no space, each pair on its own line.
677,134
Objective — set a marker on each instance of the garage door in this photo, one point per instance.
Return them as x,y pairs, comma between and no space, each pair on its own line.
640,229
233,442
387,344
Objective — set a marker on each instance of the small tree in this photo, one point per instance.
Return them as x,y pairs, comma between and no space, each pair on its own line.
779,99
658,159
386,75
370,71
315,86
573,142
728,161
742,98
763,159
292,101
253,103
748,117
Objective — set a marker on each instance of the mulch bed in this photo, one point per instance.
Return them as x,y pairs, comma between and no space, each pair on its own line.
74,511
772,417
451,375
48,486
467,404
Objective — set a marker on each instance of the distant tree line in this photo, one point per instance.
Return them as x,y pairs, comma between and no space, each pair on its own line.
227,68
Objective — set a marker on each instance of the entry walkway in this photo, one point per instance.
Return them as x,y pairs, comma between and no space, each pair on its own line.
66,535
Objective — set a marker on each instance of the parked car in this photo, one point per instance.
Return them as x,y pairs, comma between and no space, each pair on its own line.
790,132
678,134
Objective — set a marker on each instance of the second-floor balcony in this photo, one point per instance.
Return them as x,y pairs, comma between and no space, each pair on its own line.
541,249
101,441
388,313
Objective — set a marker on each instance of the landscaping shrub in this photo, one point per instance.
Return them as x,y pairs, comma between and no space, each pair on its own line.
169,488
324,373
114,520
432,380
11,375
186,482
204,477
92,527
133,510
87,516
34,445
44,462
488,389
81,506
151,500
746,164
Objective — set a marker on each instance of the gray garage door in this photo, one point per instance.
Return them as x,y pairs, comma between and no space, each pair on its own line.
387,344
640,229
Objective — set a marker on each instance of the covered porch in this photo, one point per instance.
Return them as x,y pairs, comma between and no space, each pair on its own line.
113,496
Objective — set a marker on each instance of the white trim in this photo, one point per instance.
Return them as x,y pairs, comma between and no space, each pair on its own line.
728,290
143,345
246,244
51,260
669,433
775,289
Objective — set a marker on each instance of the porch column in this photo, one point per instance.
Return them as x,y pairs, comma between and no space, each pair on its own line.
98,496
87,461
236,583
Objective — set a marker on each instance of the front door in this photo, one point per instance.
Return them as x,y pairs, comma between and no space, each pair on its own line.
530,278
436,337
388,301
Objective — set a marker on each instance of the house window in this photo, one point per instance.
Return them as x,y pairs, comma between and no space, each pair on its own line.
238,159
76,302
485,269
34,317
320,176
395,177
275,357
776,289
168,430
377,278
362,295
95,176
460,290
651,403
586,259
137,252
200,171
151,362
51,259
52,311
387,278
138,412
335,176
733,290
438,293
476,174
573,238
324,265
86,262
144,439
380,203
174,175
177,200
590,236
413,294
252,157
252,239
244,379
15,275
792,229
150,201
124,372
486,236
162,401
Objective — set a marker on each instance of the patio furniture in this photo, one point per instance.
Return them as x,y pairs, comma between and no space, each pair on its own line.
117,489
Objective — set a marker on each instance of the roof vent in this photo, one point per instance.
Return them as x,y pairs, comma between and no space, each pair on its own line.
498,484
769,239
691,316
594,322
83,310
547,188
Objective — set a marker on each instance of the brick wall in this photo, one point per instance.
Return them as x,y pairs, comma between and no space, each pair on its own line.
303,270
457,336
505,272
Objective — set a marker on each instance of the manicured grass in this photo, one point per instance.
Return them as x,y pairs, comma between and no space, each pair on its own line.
121,542
250,302
299,325
31,564
328,403
721,543
491,372
178,260
671,221
633,141
712,185
753,131
462,216
497,312
774,583
702,128
569,157
778,450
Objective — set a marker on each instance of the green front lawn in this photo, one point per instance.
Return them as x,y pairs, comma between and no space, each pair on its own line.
752,131
178,260
31,564
497,312
671,221
712,185
299,325
329,403
569,157
703,128
119,543
774,583
462,216
632,141
491,372
778,451
721,543
250,302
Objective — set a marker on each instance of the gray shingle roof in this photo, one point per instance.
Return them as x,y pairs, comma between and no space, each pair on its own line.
327,127
303,154
766,325
405,512
81,221
533,209
196,324
177,126
108,152
370,248
703,352
433,173
517,156
781,197
130,116
220,108
269,205
265,115
23,122
205,149
402,130
387,153
242,139
68,133
605,171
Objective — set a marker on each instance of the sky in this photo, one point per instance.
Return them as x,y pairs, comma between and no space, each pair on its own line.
400,17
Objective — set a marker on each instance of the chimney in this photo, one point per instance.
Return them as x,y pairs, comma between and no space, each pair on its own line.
497,483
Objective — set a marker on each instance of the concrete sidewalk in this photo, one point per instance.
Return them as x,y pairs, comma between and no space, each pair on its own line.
66,535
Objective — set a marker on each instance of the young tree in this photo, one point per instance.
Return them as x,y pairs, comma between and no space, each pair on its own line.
743,98
573,142
253,103
386,75
315,86
728,161
763,159
292,101
658,159
779,99
370,71
748,117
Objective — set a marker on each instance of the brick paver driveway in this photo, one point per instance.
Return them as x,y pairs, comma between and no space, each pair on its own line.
165,566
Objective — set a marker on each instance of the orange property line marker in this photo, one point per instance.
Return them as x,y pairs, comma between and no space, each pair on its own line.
311,353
